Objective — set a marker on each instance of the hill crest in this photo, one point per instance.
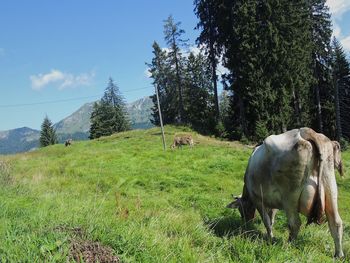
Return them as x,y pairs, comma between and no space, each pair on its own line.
75,126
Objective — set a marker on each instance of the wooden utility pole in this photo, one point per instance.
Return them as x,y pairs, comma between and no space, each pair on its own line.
160,116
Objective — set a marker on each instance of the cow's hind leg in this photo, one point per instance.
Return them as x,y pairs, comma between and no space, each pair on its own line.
334,221
294,223
336,227
265,215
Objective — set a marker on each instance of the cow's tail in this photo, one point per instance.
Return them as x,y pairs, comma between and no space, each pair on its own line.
341,169
318,140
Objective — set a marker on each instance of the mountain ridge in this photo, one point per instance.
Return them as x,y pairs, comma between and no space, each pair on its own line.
20,140
75,126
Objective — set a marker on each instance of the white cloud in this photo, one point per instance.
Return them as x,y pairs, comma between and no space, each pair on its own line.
61,80
195,50
336,30
344,40
41,80
338,7
346,43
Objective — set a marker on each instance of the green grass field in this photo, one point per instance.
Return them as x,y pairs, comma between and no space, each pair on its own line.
146,205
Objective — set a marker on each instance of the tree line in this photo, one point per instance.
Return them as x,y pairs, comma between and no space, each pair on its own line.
284,70
183,81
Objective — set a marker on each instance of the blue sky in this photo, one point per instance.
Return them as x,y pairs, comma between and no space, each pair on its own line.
61,50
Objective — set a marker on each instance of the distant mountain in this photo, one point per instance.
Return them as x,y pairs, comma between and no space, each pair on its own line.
18,140
75,126
140,113
78,121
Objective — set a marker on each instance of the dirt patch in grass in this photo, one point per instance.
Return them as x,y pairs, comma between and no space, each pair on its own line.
82,250
88,251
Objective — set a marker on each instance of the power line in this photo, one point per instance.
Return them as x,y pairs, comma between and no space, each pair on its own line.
127,91
62,100
46,102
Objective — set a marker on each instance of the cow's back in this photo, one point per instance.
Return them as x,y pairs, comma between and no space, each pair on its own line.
277,144
277,168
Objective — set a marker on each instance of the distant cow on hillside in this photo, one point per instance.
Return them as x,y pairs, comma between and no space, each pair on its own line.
180,140
68,142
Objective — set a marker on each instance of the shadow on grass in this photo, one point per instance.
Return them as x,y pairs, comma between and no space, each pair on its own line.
228,226
231,226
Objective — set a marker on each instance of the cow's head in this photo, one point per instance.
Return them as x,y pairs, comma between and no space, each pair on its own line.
245,207
337,157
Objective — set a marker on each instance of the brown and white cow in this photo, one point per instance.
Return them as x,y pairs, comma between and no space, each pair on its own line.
294,172
180,140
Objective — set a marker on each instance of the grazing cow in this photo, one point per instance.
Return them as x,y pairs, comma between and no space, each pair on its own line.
68,142
180,140
294,172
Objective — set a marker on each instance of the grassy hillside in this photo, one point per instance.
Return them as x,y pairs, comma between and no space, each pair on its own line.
124,194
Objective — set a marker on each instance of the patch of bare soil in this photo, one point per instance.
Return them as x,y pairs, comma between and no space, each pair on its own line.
82,250
89,252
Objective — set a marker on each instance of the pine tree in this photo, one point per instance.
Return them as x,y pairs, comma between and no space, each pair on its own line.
172,36
322,86
206,11
109,114
199,99
163,79
267,48
239,54
96,122
341,80
48,134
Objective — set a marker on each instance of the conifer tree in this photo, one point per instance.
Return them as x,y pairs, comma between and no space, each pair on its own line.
341,80
163,79
266,46
322,86
173,37
48,134
96,130
109,114
199,98
206,11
